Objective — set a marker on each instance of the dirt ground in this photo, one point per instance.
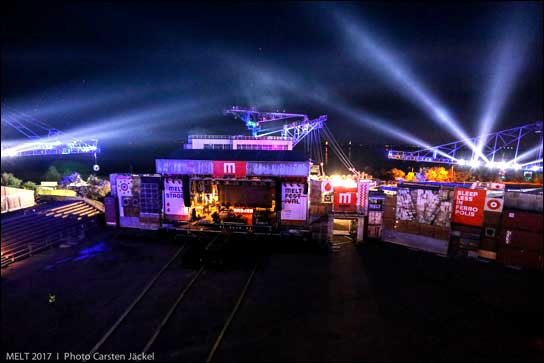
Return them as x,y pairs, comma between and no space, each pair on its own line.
373,302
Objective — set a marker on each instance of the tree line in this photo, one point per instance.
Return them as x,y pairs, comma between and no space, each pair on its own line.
452,175
93,187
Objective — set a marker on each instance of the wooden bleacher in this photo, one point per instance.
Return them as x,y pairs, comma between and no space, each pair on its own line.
29,231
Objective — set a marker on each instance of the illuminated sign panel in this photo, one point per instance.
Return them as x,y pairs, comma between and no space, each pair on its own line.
362,194
469,206
124,191
124,186
294,202
494,205
345,199
243,210
326,186
174,206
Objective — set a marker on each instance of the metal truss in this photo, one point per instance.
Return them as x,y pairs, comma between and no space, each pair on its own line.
44,139
515,144
297,130
53,148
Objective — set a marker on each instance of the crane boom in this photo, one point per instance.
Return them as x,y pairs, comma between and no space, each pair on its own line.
55,142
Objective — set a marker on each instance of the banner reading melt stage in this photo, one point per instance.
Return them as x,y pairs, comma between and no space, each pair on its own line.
469,206
174,207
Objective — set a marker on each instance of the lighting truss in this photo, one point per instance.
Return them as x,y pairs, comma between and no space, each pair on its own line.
299,127
54,142
44,147
514,144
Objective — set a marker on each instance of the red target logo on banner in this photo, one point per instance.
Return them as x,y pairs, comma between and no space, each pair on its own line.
493,205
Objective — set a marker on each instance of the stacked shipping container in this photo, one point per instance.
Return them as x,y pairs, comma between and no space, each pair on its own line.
376,203
389,211
521,240
15,198
417,217
490,234
464,240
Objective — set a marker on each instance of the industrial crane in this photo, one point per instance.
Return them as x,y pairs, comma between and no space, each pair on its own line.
297,129
296,126
43,139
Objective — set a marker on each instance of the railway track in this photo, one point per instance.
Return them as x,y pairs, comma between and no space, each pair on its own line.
149,324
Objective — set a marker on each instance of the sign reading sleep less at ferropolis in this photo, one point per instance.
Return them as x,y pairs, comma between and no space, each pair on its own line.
174,207
469,206
294,202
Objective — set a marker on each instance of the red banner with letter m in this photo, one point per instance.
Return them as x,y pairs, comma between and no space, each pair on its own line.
226,169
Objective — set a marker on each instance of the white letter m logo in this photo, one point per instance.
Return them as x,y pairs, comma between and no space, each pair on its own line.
344,198
229,168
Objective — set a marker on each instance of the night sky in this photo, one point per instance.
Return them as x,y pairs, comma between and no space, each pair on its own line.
141,76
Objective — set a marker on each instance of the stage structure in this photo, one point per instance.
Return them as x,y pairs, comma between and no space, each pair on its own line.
516,148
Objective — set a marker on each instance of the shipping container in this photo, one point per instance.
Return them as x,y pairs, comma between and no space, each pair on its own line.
407,227
278,168
522,239
523,201
492,219
375,217
522,220
424,205
469,244
455,249
460,230
15,198
466,229
521,258
376,203
388,223
110,205
151,188
416,241
490,255
389,212
390,200
489,244
184,167
441,233
113,184
491,232
315,192
374,232
426,230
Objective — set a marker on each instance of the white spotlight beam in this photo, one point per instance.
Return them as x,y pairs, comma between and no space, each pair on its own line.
524,155
279,79
411,87
388,129
459,152
508,65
